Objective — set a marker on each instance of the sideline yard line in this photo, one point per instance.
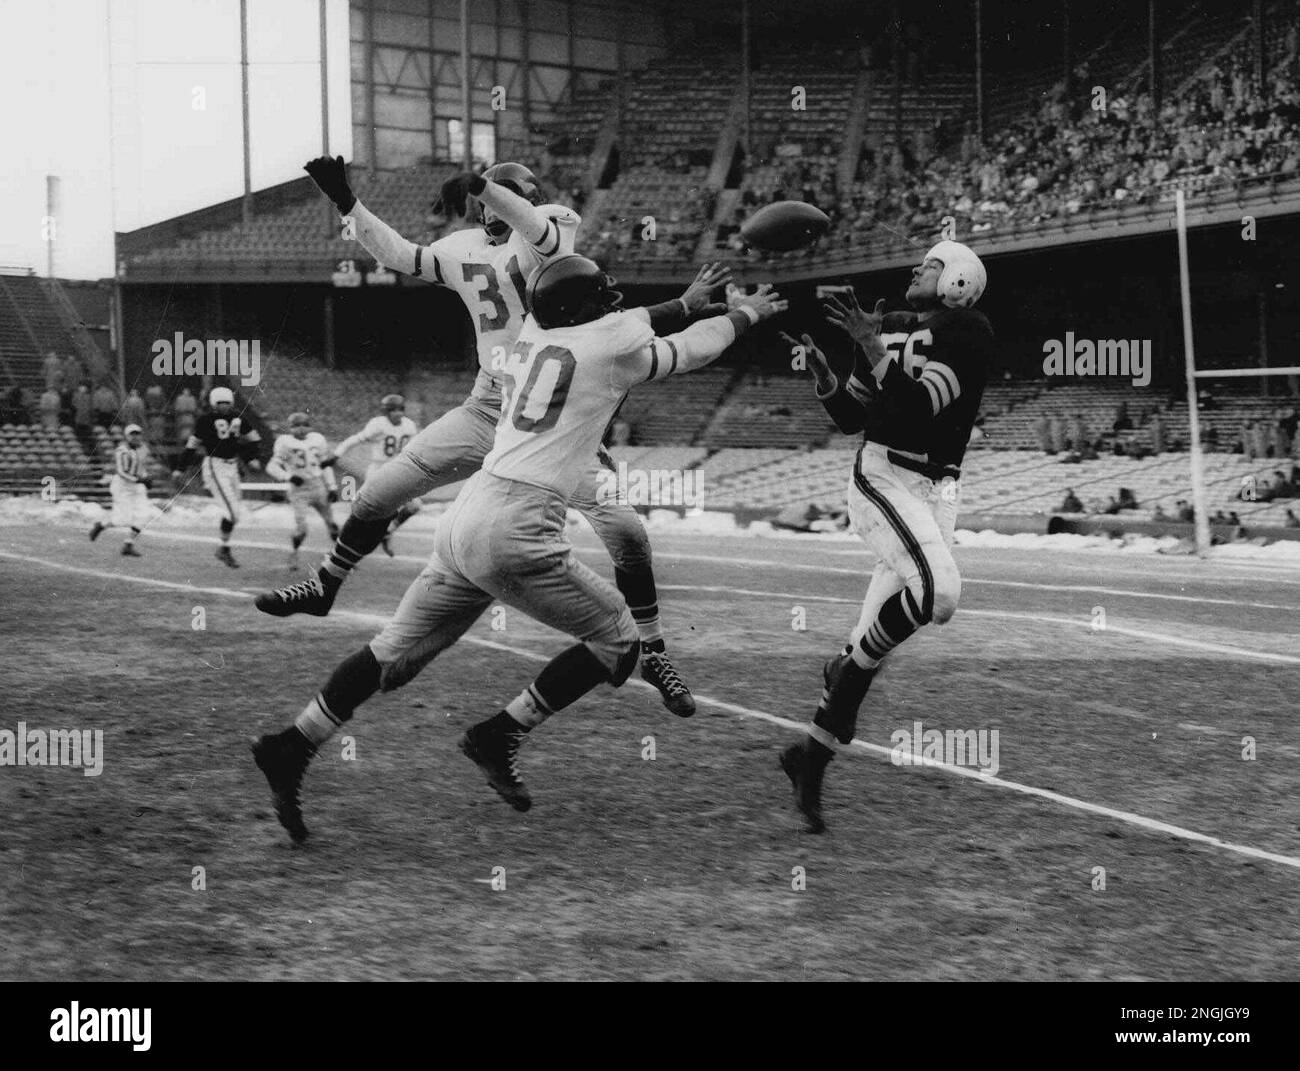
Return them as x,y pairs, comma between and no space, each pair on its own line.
189,537
1141,821
1006,615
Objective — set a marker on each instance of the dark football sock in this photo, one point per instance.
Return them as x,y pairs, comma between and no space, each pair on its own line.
357,539
353,681
637,586
899,617
297,539
838,712
566,678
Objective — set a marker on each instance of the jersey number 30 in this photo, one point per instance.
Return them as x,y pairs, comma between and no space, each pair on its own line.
535,406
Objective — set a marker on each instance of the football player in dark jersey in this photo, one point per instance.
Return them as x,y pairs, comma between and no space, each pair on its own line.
913,393
221,438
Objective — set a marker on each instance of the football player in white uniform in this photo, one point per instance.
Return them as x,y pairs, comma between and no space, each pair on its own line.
129,489
298,459
487,266
387,437
504,537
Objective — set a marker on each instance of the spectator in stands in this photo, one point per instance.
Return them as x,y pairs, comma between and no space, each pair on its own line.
1056,434
1127,500
15,408
1112,506
1071,503
133,410
1248,440
52,370
1185,513
1263,439
83,417
1157,425
1159,514
73,374
1291,520
1122,420
50,404
105,403
155,400
184,404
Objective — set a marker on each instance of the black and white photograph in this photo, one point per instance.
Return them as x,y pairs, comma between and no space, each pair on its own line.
649,491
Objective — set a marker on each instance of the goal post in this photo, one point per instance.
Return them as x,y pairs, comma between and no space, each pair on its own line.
1202,523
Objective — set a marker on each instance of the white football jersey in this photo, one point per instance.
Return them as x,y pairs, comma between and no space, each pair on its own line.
561,389
384,438
299,457
490,279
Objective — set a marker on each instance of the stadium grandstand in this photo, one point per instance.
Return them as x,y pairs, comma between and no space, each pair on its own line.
1053,145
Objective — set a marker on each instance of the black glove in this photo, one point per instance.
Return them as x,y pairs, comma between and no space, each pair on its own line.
333,497
331,177
451,202
297,481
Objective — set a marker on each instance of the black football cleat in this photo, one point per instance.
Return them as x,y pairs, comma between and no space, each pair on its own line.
226,558
495,753
310,596
97,530
806,776
128,551
657,669
284,764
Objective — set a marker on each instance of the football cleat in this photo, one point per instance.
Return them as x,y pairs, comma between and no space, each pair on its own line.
806,778
284,766
128,551
97,530
495,753
308,596
658,670
225,557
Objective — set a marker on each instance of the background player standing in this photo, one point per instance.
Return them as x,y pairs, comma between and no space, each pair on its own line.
504,537
221,438
387,436
129,489
914,393
298,459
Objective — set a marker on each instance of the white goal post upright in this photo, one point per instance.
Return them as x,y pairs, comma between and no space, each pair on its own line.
1202,524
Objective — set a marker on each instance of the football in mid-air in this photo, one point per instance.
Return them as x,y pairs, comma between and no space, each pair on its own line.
785,225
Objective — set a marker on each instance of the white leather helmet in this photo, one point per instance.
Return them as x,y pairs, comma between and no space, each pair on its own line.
963,278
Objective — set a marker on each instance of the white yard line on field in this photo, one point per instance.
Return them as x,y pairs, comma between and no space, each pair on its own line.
1141,821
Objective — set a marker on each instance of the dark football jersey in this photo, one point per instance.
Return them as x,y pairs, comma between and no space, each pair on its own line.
924,397
220,436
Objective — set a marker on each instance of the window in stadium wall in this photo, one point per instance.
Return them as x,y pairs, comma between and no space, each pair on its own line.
483,144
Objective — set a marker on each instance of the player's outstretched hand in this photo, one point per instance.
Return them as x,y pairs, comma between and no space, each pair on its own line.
817,362
853,320
707,279
331,176
453,198
765,301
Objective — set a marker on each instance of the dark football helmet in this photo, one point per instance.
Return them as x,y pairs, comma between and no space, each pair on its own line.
571,290
514,177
